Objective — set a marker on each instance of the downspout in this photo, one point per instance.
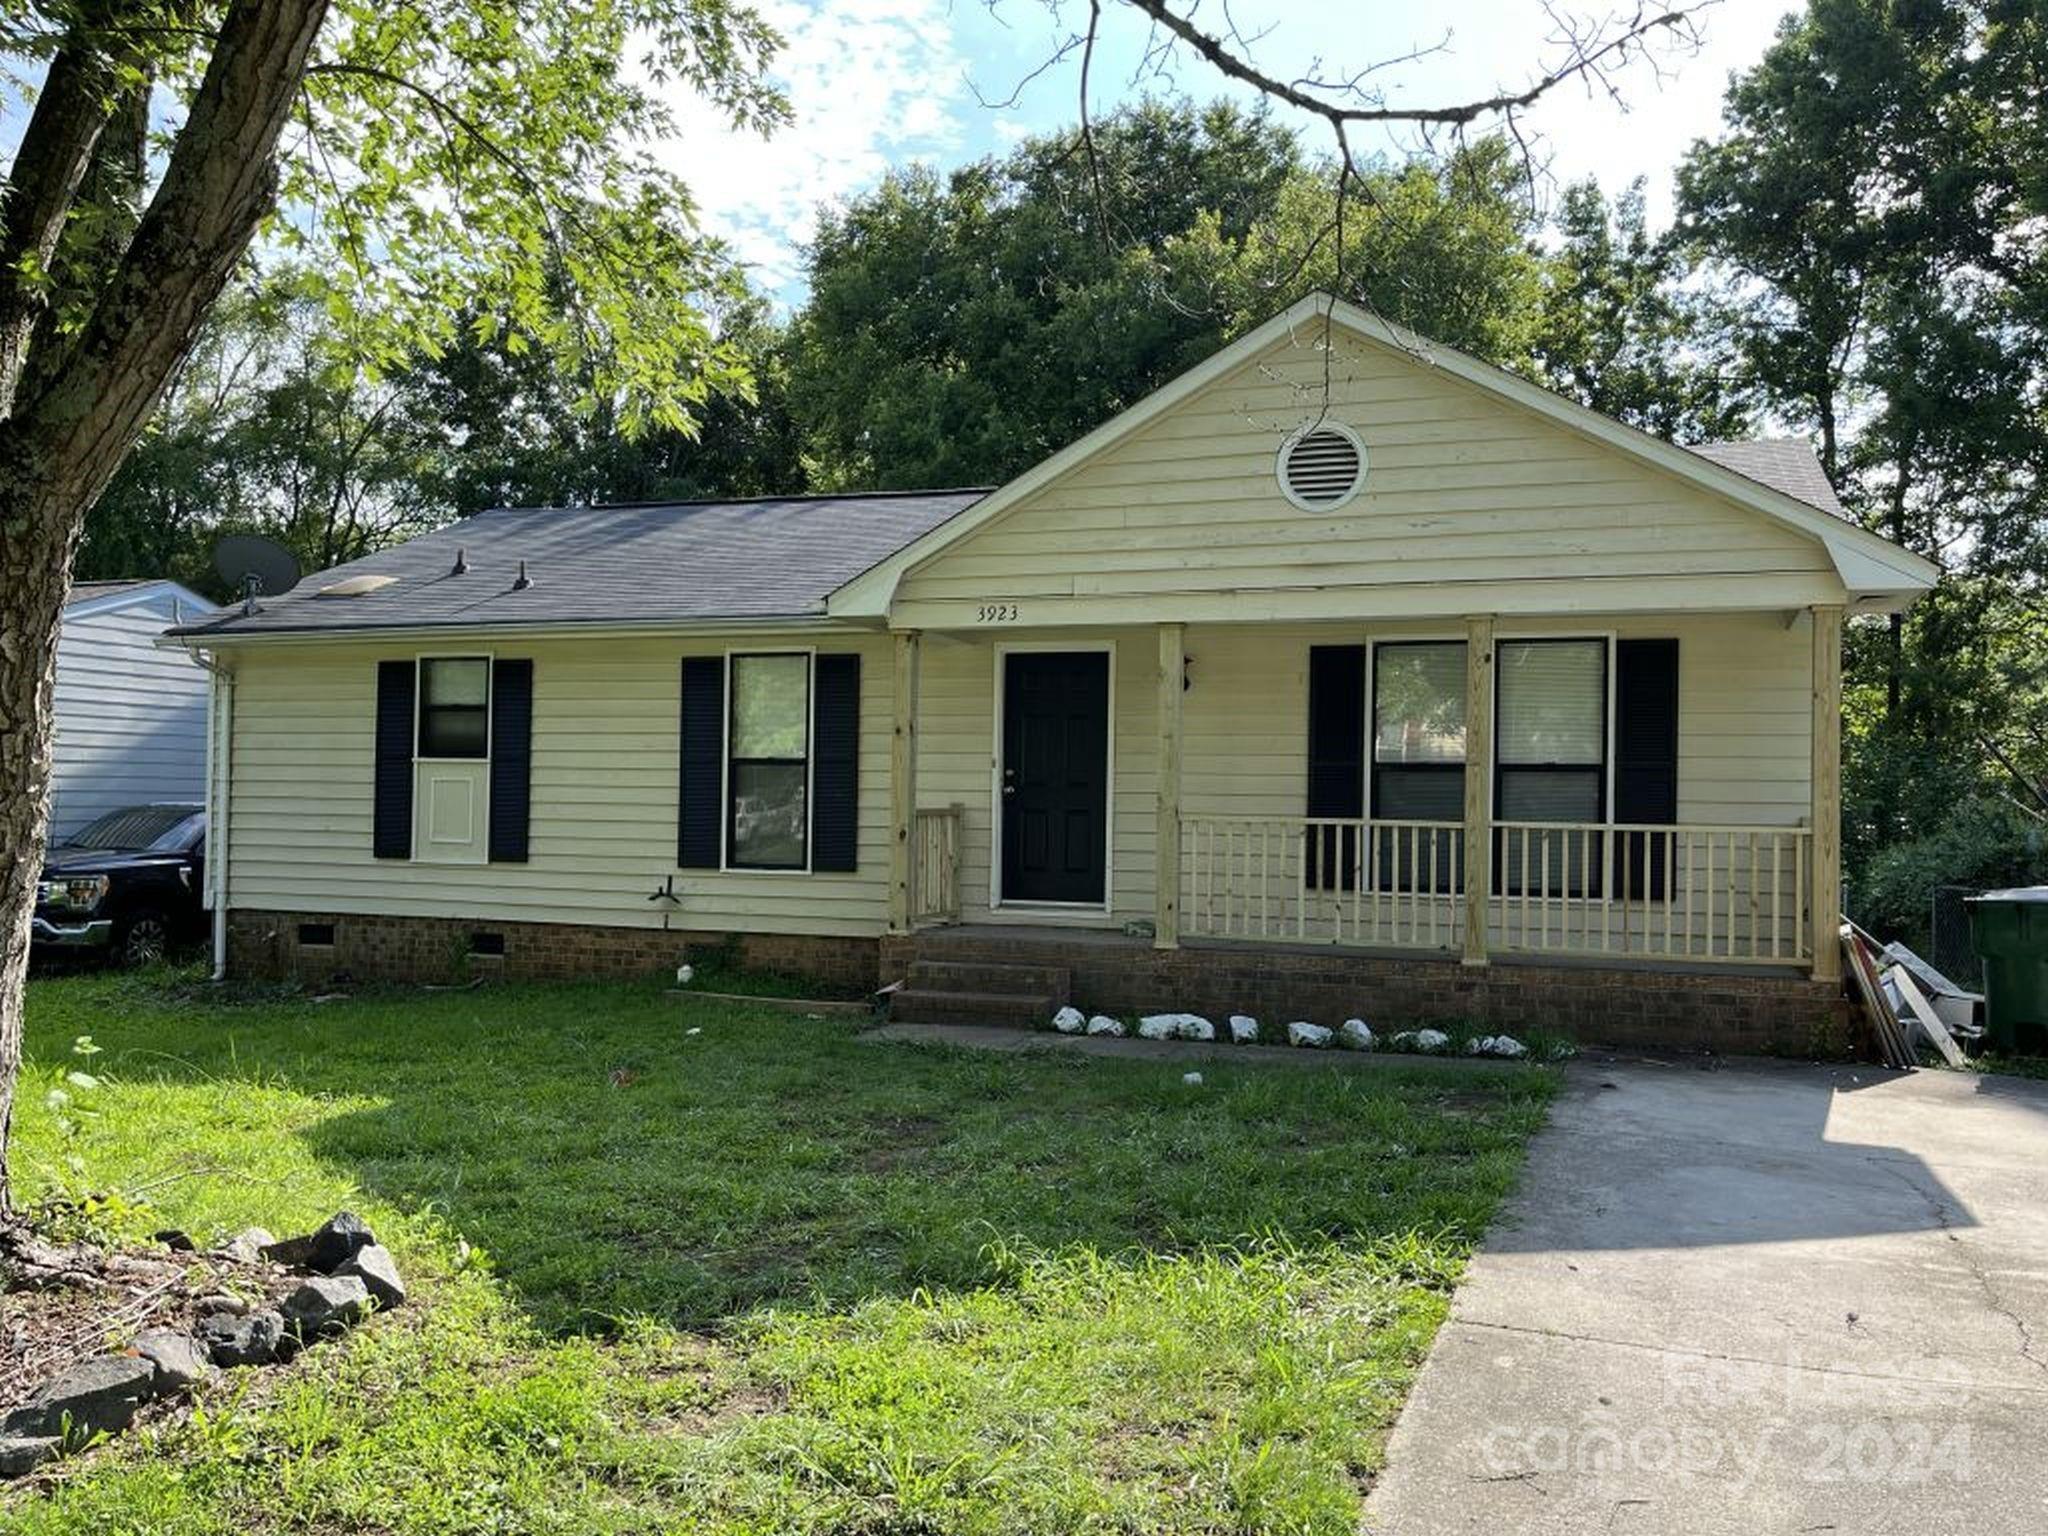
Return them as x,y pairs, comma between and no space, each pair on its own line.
220,736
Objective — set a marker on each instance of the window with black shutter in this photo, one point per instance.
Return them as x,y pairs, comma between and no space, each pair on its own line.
455,707
1418,760
1550,762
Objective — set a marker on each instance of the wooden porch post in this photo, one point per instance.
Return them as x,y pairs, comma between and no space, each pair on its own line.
1827,792
903,781
1166,874
1478,783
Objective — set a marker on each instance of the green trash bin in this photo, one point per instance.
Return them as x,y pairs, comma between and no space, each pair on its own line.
2009,930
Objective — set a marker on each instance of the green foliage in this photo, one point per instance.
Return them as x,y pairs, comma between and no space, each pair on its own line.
960,329
1987,844
779,1279
1621,334
1873,219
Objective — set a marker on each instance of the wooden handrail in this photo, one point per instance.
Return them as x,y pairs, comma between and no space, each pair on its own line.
935,865
1699,892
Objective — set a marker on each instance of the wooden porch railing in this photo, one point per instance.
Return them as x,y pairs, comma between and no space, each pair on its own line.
1697,893
935,866
1701,893
1320,880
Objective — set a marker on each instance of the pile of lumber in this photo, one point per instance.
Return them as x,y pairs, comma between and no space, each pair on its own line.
1896,1001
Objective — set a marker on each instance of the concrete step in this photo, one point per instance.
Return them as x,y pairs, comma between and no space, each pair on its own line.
989,976
916,1005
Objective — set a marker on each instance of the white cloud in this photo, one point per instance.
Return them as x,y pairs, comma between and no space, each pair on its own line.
871,84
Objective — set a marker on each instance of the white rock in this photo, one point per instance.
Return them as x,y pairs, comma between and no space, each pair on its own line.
694,1030
1194,1027
1355,1034
1404,1041
1103,1024
1159,1026
1506,1045
1244,1029
1431,1039
1301,1032
1192,1079
685,974
1070,1021
1479,1045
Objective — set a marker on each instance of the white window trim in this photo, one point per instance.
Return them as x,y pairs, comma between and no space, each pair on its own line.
810,655
1004,649
1609,637
419,701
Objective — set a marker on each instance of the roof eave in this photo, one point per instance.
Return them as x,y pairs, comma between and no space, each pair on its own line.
535,629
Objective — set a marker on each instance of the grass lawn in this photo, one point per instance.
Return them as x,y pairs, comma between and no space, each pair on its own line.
767,1277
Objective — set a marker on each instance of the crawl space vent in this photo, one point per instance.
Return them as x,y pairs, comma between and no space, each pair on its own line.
1322,467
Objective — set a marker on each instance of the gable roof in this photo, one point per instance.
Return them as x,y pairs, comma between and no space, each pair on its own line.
1873,569
87,598
777,557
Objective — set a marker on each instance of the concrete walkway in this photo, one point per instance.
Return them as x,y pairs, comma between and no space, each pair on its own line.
1759,1300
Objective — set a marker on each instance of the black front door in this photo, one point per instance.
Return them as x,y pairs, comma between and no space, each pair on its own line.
1055,780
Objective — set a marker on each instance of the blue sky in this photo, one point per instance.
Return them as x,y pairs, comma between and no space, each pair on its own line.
877,83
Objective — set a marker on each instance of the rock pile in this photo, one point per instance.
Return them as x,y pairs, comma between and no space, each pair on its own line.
345,1275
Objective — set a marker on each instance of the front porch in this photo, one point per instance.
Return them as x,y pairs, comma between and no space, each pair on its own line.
1213,857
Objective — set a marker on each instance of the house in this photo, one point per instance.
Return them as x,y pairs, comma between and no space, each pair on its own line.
131,714
1344,673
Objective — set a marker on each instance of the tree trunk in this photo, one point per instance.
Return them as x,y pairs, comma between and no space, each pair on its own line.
76,414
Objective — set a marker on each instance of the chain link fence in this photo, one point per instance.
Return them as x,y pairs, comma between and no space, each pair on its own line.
1948,945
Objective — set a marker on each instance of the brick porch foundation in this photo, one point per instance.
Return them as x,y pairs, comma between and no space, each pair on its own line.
1723,1010
1707,1009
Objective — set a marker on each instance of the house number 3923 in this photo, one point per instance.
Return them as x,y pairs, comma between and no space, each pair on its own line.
997,613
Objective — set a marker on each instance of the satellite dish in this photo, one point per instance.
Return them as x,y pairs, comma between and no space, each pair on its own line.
255,566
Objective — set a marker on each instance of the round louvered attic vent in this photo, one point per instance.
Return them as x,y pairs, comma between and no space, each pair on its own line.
1322,466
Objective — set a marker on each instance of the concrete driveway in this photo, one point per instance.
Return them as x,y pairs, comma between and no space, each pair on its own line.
1756,1300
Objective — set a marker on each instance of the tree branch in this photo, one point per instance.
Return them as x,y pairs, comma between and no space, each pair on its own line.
1584,59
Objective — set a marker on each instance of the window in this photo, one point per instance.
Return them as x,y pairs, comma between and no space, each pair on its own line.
1551,755
1418,760
455,707
768,762
1552,730
1418,731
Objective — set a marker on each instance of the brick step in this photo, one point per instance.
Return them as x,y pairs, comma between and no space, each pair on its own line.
915,1005
989,976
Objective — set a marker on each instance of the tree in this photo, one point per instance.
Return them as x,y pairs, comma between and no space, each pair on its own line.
1874,216
436,151
961,329
1619,331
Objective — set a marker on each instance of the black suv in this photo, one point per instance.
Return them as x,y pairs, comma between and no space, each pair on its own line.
129,884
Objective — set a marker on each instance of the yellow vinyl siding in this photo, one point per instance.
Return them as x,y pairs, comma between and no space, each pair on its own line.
603,821
1465,491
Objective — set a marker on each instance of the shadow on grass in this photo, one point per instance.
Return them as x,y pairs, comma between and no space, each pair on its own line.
615,1152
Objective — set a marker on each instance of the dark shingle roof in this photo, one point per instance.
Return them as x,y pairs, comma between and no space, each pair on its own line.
773,558
1784,464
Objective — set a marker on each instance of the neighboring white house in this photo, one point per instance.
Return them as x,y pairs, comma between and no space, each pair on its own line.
131,715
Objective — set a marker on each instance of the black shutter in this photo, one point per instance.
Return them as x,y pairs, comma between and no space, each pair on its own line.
1336,759
835,764
1645,757
511,759
391,819
700,819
